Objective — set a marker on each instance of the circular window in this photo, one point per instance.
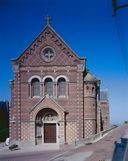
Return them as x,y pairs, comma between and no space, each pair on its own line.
47,54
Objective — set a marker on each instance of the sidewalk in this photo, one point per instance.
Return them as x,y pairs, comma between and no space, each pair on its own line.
38,152
28,149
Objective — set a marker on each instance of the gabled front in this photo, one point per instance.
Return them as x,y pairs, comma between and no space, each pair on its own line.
53,97
48,49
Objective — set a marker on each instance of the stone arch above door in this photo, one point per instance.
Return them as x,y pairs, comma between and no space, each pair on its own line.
43,104
47,102
47,115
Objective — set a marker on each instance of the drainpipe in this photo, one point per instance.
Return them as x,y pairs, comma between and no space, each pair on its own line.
65,123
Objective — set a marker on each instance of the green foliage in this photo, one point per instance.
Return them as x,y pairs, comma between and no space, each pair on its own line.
4,122
4,133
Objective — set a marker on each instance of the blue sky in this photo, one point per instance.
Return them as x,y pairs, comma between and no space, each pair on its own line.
89,29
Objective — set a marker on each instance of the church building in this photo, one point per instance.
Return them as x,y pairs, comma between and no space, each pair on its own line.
54,97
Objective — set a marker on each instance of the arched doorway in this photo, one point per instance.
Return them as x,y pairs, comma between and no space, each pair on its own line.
46,126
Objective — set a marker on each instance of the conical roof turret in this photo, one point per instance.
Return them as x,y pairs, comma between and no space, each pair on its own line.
89,77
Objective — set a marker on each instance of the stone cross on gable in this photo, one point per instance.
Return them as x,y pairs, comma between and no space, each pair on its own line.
48,20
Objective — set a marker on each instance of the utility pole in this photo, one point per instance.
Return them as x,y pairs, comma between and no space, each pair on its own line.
117,7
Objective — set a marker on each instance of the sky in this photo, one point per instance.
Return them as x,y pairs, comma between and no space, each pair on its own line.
89,29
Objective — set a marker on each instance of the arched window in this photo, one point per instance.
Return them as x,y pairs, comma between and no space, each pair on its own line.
93,90
48,86
87,87
61,87
35,87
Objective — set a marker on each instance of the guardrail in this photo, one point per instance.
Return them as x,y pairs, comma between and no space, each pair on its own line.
93,138
121,150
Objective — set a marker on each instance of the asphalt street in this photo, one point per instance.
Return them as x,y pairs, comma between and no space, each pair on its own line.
31,156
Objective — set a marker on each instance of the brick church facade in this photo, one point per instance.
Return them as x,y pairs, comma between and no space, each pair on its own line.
54,97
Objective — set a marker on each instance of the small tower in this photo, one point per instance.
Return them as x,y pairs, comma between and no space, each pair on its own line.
104,110
91,88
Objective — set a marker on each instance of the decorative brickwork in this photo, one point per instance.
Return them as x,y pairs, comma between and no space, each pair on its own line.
25,126
72,130
90,127
43,110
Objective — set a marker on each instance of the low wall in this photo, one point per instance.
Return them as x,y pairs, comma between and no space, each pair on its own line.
93,138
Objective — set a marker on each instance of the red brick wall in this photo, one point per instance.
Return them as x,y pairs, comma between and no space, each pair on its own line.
80,103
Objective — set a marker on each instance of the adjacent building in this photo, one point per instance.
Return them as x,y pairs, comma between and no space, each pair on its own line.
4,120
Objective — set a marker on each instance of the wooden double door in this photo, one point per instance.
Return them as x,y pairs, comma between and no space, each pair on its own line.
50,133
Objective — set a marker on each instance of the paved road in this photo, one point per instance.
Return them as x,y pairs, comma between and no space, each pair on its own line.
33,156
102,150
